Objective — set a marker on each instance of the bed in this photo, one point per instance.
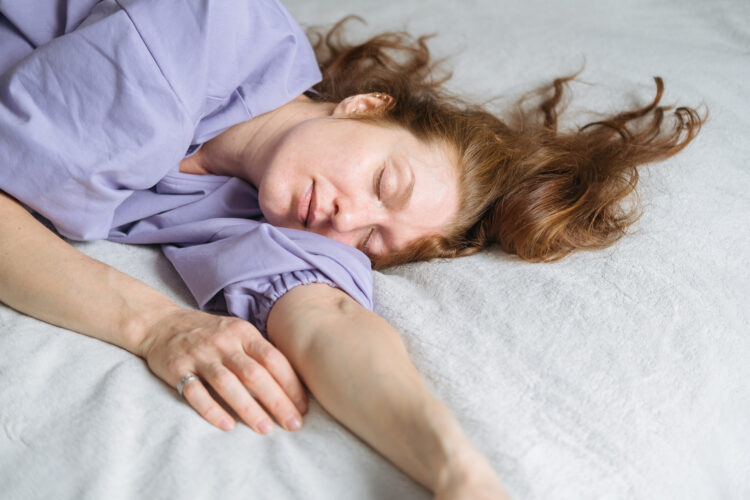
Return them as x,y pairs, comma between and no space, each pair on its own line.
620,373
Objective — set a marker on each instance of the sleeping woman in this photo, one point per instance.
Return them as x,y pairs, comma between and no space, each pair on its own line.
274,175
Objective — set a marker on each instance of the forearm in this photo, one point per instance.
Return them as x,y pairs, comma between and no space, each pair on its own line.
43,276
356,365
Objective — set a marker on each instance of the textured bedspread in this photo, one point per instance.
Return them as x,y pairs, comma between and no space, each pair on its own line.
622,373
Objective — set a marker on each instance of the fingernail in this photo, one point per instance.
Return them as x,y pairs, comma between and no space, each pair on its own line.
265,427
226,425
293,424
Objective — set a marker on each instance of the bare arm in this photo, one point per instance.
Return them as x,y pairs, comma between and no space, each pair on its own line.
356,365
43,276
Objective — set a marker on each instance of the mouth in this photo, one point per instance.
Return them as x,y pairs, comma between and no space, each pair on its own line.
303,208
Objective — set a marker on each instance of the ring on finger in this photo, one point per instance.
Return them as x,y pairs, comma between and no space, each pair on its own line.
184,380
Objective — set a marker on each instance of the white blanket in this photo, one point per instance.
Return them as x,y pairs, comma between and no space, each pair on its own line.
620,373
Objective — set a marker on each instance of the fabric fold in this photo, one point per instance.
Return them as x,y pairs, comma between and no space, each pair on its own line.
212,231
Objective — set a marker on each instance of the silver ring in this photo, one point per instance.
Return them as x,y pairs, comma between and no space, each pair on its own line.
187,378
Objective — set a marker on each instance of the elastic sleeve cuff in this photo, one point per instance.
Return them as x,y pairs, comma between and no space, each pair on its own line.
253,299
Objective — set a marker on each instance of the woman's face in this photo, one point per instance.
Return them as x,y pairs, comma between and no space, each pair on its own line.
369,186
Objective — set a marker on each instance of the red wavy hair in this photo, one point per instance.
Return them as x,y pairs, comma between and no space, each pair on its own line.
536,191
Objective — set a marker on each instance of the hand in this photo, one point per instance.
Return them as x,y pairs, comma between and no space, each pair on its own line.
470,477
231,356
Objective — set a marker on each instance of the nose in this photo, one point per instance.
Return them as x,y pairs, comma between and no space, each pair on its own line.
351,219
347,215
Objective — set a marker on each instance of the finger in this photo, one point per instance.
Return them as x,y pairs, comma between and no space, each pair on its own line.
229,387
198,397
257,379
280,369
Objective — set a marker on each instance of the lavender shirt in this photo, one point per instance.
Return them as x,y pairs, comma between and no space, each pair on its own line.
99,101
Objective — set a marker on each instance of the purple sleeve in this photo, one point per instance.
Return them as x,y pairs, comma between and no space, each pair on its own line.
216,53
79,130
107,109
250,265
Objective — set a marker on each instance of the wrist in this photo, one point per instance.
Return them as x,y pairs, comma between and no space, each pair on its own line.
455,450
141,323
454,467
468,473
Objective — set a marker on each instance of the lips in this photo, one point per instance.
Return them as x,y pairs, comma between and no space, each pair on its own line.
313,207
303,208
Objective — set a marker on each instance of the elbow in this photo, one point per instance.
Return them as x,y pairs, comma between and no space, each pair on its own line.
298,317
341,305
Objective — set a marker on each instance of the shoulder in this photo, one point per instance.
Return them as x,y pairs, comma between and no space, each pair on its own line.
208,49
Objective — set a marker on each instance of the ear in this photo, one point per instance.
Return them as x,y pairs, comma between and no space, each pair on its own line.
363,103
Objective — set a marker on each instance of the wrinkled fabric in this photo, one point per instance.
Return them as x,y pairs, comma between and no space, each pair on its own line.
208,225
99,102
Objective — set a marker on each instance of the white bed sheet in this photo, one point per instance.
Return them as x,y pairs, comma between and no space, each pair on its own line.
614,374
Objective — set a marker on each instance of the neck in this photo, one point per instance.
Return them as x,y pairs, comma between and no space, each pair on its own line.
244,150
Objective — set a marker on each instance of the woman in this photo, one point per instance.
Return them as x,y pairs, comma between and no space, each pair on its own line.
378,158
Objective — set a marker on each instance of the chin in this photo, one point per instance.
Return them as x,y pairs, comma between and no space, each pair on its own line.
279,220
273,219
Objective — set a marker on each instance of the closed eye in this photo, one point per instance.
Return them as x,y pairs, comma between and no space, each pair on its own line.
379,183
363,246
378,192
